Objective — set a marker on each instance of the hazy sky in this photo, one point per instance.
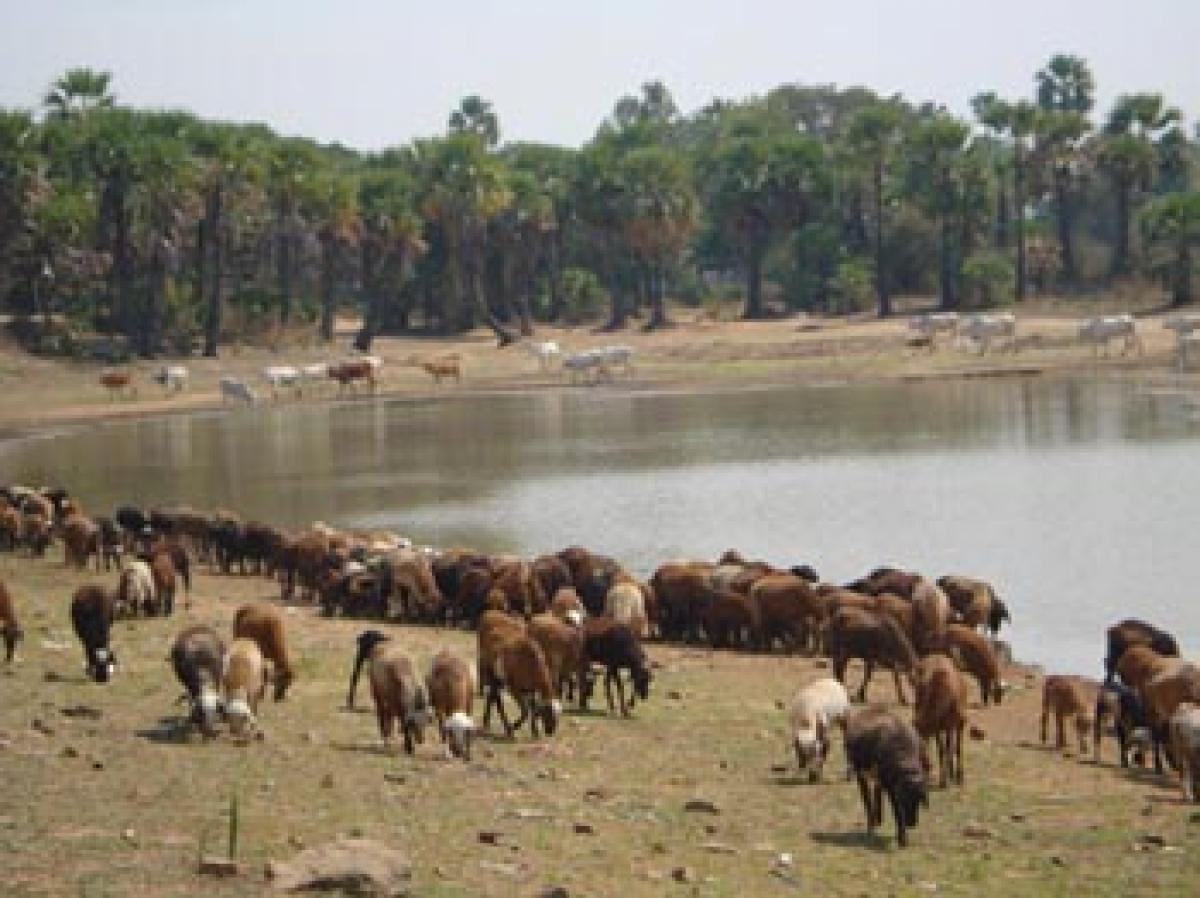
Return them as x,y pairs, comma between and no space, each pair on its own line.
371,73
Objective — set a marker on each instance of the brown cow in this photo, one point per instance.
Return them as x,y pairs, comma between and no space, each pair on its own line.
118,383
348,373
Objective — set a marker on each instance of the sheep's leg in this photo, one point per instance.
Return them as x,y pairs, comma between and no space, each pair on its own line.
407,730
523,707
1060,741
608,690
865,790
901,834
941,740
621,694
958,750
385,725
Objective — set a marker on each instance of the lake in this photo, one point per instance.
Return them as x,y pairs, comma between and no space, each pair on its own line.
1078,499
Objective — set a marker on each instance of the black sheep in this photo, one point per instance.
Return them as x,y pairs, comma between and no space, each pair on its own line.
91,616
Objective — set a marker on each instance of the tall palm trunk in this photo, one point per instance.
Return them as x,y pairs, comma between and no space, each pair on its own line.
1019,202
554,259
658,305
1120,260
754,276
328,283
285,261
881,282
948,299
212,215
1065,220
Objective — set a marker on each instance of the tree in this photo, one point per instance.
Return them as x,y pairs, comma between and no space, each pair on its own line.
291,167
77,92
391,238
935,148
873,135
474,115
1017,121
338,231
1066,84
1058,151
1172,223
1128,153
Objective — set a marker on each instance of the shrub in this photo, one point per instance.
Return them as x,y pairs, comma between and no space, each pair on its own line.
987,280
853,287
584,298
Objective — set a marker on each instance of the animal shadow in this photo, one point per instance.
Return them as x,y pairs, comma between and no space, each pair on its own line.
853,839
171,730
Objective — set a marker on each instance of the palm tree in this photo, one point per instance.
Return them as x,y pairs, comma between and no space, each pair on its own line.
1173,223
392,236
872,137
936,146
77,92
475,115
1127,152
291,168
1059,155
339,230
1017,121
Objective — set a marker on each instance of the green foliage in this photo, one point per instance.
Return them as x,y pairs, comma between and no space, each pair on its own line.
987,280
853,287
584,297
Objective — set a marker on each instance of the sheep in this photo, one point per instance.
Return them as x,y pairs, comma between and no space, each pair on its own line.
974,653
451,686
135,589
931,615
365,643
10,628
567,606
1120,705
399,694
1184,735
1131,632
940,712
91,618
788,609
876,639
626,603
1140,664
264,624
1162,694
562,644
974,602
815,709
81,540
509,657
243,684
613,646
1069,697
728,616
885,754
197,657
162,572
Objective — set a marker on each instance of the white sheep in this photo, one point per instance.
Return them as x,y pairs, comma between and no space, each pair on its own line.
816,708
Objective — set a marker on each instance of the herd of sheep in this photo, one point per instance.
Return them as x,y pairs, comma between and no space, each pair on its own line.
546,627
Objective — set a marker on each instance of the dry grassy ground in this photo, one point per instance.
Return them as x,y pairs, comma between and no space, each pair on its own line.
103,797
697,352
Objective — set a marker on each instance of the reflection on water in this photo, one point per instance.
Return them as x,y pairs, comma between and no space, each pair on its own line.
1079,499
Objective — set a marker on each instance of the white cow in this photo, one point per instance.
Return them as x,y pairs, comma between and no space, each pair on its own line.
617,356
1182,324
280,377
237,390
545,351
1099,331
172,378
983,329
934,323
583,364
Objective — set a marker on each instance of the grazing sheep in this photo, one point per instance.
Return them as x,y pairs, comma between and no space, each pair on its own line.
567,606
10,628
1184,735
1073,698
815,709
1120,705
1131,632
885,754
731,619
81,540
399,695
931,616
975,654
1140,664
451,685
508,657
877,640
197,656
264,624
789,610
613,646
1165,692
135,589
243,684
940,712
974,602
626,603
162,572
91,618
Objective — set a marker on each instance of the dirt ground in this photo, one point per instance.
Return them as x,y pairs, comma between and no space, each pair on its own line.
697,352
105,795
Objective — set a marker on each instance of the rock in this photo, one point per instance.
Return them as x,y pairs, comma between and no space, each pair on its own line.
784,859
780,768
554,892
701,806
39,726
395,779
327,781
501,869
219,866
719,848
977,733
81,711
1153,840
70,752
488,837
683,874
584,829
97,765
528,814
129,836
975,831
345,867
675,695
598,793
1017,818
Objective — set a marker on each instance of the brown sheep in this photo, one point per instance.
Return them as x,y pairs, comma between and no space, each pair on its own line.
451,686
566,606
36,533
877,640
562,644
243,682
264,624
520,666
552,574
1073,698
1162,694
1184,735
515,579
732,620
1128,633
974,602
888,579
681,590
940,712
900,610
1140,664
975,654
399,694
931,616
10,628
162,569
12,527
788,609
81,540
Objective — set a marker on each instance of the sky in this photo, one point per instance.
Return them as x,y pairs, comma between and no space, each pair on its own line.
374,73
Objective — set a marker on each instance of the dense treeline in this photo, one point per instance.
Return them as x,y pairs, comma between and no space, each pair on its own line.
179,233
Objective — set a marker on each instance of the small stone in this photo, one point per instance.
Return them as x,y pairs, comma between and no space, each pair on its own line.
1153,840
584,829
554,892
675,695
683,874
779,705
70,752
129,835
977,733
975,831
395,778
598,793
710,828
502,869
97,765
528,814
784,859
1057,861
719,848
327,781
780,768
39,726
1017,818
219,866
701,806
489,837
